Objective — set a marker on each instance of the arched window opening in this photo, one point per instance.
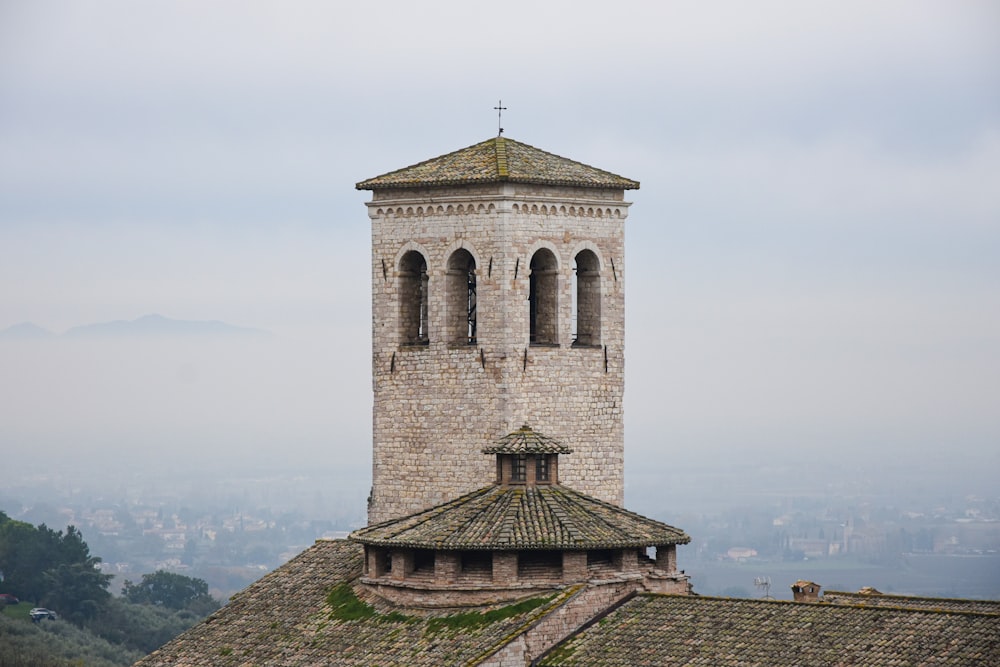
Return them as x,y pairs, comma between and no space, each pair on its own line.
413,299
461,297
543,299
587,294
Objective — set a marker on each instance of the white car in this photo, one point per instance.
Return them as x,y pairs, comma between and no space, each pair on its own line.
41,613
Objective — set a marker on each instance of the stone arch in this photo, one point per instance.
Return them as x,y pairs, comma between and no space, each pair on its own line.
543,297
460,297
587,297
413,291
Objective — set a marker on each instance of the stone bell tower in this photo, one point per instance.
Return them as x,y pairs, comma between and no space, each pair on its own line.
497,300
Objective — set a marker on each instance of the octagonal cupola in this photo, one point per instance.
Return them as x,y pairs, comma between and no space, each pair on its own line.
527,458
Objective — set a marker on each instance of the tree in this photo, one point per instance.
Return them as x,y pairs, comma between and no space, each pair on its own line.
174,591
52,568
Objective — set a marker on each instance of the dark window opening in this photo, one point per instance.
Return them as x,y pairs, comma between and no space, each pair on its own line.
423,560
519,468
477,562
600,558
461,297
587,299
541,468
543,299
413,293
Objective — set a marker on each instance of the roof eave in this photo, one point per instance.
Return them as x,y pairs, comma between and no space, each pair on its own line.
530,546
412,185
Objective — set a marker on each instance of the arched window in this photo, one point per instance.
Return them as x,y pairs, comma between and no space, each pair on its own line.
588,299
413,299
461,297
543,298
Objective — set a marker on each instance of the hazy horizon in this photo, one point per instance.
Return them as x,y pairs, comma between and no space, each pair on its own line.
811,268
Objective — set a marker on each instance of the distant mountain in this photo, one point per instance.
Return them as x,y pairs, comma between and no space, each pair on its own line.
147,326
157,325
25,331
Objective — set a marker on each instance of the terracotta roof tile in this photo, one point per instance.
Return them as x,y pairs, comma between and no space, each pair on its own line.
495,160
285,620
872,598
676,630
526,441
515,517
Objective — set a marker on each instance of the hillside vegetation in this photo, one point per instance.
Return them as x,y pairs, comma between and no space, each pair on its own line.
55,570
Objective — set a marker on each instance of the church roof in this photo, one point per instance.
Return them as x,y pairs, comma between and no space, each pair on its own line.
307,613
684,630
292,617
515,518
527,441
496,160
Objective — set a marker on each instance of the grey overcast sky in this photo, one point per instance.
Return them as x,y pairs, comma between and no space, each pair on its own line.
813,259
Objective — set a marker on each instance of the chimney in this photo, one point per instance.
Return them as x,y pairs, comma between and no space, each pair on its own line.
806,591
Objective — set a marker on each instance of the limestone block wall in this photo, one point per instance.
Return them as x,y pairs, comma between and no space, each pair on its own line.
438,404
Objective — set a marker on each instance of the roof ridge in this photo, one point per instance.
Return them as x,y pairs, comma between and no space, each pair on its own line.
503,169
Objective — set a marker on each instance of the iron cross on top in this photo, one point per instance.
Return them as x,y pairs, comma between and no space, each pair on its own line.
500,108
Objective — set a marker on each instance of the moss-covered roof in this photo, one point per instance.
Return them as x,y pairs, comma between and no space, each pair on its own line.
676,630
306,613
495,160
514,517
526,441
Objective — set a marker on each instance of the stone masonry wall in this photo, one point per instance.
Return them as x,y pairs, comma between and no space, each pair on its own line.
437,405
559,624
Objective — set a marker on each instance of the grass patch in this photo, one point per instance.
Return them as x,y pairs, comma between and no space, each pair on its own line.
18,611
345,606
473,620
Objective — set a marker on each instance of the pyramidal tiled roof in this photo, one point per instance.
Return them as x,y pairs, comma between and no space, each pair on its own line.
497,160
515,517
526,441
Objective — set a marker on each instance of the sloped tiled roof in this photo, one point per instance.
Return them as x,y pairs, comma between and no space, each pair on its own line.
515,517
495,160
676,630
526,441
285,619
871,598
